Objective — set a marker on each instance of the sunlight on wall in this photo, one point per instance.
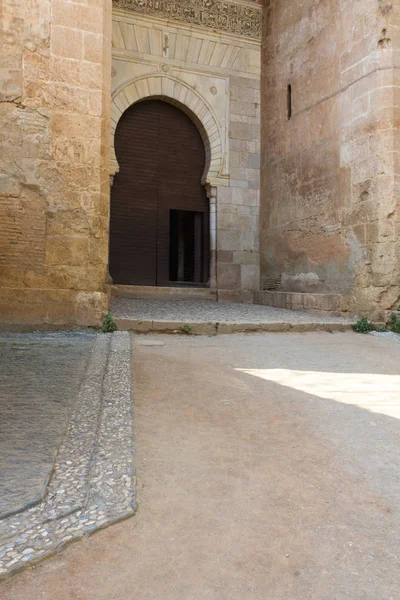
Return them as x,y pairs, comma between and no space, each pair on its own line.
374,392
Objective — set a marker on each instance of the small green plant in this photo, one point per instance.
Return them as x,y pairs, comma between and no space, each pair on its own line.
363,325
187,328
395,322
108,325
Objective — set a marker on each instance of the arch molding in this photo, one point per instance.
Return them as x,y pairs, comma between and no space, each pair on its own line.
167,88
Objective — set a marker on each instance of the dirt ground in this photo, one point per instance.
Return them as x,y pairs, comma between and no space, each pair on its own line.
268,469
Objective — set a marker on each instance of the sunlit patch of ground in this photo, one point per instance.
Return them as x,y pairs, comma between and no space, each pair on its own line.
371,391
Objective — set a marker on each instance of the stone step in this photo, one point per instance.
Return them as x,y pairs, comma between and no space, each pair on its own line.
211,318
213,328
163,293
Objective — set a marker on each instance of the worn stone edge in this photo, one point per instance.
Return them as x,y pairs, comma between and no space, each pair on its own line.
215,328
86,408
39,497
59,540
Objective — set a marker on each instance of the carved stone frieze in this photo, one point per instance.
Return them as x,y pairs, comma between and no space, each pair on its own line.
222,15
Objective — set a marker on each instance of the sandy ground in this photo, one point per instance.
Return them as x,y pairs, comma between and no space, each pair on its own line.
268,469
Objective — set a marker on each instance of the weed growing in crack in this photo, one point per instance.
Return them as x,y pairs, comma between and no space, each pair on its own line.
108,325
364,325
395,322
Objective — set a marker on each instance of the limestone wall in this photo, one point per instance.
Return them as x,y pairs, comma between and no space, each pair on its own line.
54,160
215,77
329,202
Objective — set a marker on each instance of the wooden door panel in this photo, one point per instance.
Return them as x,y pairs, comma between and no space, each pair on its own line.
134,198
181,166
161,157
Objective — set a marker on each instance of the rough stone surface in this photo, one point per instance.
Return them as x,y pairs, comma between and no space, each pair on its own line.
93,481
330,206
54,158
39,383
329,220
267,468
323,304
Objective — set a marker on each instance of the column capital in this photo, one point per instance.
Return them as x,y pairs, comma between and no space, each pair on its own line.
211,192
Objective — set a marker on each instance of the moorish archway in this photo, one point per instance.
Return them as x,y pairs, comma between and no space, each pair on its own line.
159,218
175,92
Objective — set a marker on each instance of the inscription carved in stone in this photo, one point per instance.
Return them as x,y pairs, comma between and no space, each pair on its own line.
222,15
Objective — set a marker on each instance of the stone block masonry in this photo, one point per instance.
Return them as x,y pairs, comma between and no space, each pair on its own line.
329,202
214,74
54,155
57,111
238,205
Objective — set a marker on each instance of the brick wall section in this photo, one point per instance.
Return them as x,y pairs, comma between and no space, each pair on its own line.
329,208
54,160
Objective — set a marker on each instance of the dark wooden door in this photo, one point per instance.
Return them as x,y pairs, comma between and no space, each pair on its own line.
161,157
134,198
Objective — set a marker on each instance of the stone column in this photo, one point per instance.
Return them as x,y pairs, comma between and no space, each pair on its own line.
212,196
109,279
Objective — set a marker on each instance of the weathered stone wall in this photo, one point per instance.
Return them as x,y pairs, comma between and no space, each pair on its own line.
215,77
239,204
329,203
54,160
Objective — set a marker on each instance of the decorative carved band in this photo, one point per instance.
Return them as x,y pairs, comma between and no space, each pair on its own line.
222,15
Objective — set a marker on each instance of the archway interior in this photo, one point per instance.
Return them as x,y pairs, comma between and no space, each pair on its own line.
159,222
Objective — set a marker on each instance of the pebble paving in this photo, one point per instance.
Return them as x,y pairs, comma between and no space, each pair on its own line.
207,311
39,384
93,482
387,335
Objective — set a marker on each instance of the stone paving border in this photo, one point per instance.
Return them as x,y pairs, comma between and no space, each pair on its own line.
202,317
93,482
212,328
40,384
390,336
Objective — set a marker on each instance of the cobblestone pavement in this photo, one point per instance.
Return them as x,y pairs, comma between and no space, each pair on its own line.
39,383
390,336
92,483
206,311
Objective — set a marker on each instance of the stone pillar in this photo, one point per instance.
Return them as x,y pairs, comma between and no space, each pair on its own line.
212,196
109,279
54,167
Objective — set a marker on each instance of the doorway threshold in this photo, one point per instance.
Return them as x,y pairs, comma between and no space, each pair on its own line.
163,293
